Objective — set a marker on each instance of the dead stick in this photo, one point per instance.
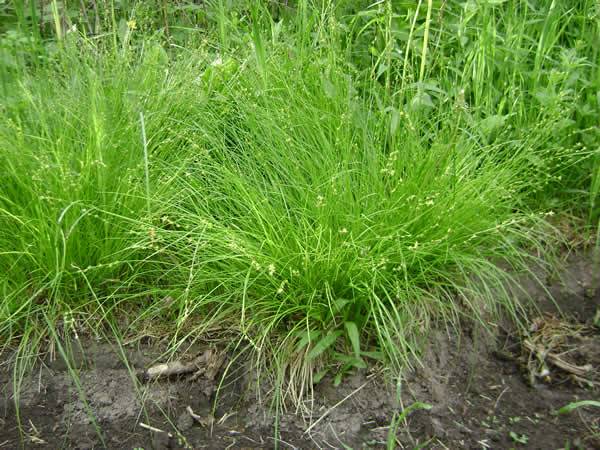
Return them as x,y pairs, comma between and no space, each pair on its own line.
153,429
170,369
557,361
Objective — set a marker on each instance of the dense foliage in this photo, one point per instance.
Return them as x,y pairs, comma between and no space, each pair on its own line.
322,180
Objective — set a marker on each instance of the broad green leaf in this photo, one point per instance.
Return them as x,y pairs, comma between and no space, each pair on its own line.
319,376
352,331
492,123
373,355
421,101
562,124
546,97
338,378
351,361
340,303
381,69
323,345
306,338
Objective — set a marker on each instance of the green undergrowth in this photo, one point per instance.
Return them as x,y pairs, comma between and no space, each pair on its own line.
325,184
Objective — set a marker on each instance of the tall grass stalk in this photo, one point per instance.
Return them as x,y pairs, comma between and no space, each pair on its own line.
425,41
146,165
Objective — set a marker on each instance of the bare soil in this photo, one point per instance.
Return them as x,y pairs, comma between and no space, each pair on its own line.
484,391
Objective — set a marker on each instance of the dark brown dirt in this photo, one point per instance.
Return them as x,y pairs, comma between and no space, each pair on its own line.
477,386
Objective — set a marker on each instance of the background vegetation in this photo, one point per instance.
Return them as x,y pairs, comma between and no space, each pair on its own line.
323,181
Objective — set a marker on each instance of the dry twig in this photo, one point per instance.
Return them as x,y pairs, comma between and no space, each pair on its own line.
207,364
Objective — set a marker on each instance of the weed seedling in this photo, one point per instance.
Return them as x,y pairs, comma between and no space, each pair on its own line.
519,438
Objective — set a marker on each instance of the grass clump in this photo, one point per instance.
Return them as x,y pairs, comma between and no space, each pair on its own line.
293,218
73,187
326,185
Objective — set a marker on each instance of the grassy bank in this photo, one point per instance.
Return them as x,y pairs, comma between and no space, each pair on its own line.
322,181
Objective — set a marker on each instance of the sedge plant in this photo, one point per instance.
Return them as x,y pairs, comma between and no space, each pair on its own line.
325,186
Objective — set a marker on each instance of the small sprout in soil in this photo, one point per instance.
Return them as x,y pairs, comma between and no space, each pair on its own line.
398,418
520,438
490,422
575,405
